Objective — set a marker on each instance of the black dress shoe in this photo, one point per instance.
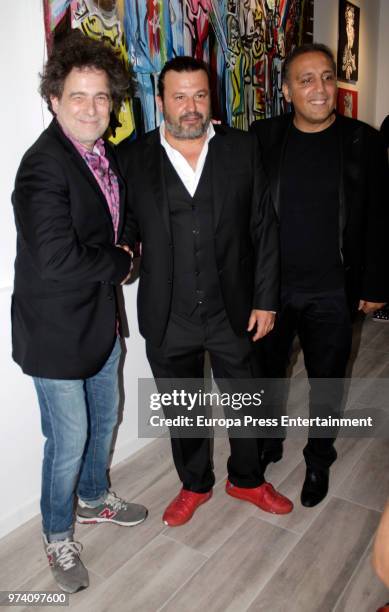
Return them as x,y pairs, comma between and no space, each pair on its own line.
315,487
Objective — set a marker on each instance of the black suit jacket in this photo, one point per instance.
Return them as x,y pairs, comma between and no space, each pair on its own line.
64,302
245,229
363,199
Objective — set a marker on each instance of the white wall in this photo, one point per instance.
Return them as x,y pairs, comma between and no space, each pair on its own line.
382,106
325,31
22,55
23,119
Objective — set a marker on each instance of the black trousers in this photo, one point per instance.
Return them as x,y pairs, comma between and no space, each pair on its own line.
323,324
181,355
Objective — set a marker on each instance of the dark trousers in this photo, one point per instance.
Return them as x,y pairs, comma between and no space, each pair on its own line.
181,355
323,324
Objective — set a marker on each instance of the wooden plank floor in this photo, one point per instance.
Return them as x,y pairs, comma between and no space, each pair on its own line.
232,556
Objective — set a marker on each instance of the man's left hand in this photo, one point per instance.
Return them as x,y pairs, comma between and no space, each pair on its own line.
264,320
369,307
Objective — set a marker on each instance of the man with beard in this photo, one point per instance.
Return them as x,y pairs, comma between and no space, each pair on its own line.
209,272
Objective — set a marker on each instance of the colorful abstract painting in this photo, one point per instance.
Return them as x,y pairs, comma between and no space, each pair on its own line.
55,12
244,41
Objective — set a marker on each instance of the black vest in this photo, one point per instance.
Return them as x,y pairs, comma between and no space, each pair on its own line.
196,287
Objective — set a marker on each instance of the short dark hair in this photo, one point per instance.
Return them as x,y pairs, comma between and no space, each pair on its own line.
181,63
75,50
302,50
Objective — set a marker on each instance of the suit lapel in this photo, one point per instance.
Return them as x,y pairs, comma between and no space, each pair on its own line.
342,146
273,164
80,164
220,151
350,156
122,188
275,161
154,165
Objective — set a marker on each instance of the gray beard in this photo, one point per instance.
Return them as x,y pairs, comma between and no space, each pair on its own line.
181,133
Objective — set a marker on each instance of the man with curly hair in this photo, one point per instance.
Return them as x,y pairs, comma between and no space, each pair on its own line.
69,208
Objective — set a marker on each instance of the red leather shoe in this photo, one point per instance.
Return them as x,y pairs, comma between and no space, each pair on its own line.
384,608
183,507
265,497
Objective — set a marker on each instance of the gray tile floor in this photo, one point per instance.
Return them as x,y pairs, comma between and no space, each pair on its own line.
232,556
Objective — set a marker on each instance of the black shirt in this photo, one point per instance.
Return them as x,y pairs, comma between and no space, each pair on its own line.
309,220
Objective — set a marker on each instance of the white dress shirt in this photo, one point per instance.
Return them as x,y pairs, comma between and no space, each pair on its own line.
188,176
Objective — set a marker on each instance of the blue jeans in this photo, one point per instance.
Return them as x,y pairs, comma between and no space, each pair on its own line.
78,418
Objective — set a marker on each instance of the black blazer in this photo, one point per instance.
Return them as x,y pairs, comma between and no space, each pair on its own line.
64,302
245,229
363,200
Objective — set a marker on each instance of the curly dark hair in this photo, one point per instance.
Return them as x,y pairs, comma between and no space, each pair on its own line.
78,51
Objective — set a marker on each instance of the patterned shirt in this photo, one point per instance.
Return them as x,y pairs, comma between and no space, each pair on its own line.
99,166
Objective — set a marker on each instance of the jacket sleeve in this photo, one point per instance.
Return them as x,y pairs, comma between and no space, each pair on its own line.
265,237
375,273
45,226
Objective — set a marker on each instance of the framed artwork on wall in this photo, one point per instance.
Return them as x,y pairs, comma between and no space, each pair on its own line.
347,103
348,41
